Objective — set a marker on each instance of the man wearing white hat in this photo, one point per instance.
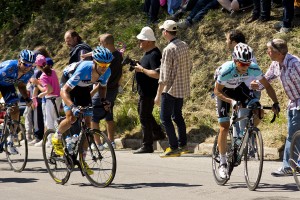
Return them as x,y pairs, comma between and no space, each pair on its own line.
174,85
147,73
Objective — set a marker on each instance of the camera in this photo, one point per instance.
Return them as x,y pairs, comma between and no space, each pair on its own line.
127,60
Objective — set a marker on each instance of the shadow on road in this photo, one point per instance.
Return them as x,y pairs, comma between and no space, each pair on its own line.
144,185
265,187
18,180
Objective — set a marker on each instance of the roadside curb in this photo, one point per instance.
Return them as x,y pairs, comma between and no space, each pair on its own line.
195,148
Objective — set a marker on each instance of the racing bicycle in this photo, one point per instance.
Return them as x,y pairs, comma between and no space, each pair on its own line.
98,165
248,147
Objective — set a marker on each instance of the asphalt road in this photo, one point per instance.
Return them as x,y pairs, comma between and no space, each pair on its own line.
143,177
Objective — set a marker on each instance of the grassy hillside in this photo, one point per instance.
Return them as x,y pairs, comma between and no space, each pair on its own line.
124,19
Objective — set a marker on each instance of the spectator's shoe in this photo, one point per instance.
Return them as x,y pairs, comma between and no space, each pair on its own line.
39,144
184,24
264,19
252,19
88,170
171,153
178,14
282,172
284,30
278,25
12,149
144,149
184,149
100,147
57,144
223,172
105,145
33,142
234,13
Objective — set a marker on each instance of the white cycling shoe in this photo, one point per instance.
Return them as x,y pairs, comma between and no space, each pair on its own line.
223,171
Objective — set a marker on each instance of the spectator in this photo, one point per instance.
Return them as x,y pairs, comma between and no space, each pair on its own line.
147,73
186,6
49,86
78,47
199,11
233,6
107,41
261,11
174,85
151,8
288,14
286,67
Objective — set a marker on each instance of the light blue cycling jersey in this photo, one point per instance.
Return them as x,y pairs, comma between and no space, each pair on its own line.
81,74
230,78
9,73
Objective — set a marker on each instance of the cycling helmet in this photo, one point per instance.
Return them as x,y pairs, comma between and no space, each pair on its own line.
242,52
102,54
27,56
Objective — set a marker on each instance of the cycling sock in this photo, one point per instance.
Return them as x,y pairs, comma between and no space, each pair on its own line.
223,159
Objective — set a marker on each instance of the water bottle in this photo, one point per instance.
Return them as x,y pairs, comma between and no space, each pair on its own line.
69,144
75,139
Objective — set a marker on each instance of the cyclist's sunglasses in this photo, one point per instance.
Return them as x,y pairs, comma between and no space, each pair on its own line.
26,64
243,64
103,65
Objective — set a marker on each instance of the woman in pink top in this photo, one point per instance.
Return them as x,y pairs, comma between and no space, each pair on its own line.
49,87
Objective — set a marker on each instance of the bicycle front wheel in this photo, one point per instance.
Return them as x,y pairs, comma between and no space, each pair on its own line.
99,164
253,158
56,165
295,157
17,150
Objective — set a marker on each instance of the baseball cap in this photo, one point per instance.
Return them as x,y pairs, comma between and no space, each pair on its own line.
40,60
49,61
169,25
146,34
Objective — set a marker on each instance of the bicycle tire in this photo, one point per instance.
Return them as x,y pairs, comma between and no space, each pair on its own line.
253,159
216,159
18,161
102,162
56,165
295,157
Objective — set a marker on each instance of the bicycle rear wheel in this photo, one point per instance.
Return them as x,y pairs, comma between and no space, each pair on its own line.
102,163
295,157
56,165
253,158
216,159
17,159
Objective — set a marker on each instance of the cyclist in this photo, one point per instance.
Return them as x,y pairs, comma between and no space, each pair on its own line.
230,87
16,72
75,92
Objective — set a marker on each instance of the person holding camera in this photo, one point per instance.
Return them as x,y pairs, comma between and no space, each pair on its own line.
147,74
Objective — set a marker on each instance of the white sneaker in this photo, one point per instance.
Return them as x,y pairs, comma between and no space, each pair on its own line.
112,144
39,144
100,147
11,149
223,172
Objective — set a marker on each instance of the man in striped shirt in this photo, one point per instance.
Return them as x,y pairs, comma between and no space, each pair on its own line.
174,85
287,67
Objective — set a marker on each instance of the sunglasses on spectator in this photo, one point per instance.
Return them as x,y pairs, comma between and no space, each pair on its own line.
26,64
243,64
103,65
141,40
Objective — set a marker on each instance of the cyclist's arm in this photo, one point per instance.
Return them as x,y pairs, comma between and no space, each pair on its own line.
269,89
218,92
95,89
102,91
23,90
65,95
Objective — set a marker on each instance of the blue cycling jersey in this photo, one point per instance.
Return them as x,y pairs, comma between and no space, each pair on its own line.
9,73
81,74
230,77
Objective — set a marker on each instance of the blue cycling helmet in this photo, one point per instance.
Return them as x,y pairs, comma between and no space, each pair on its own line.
27,56
102,54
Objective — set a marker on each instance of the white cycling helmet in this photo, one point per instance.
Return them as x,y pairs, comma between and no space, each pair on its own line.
242,52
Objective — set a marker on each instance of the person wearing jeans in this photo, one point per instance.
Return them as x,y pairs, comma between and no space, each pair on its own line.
174,86
261,11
